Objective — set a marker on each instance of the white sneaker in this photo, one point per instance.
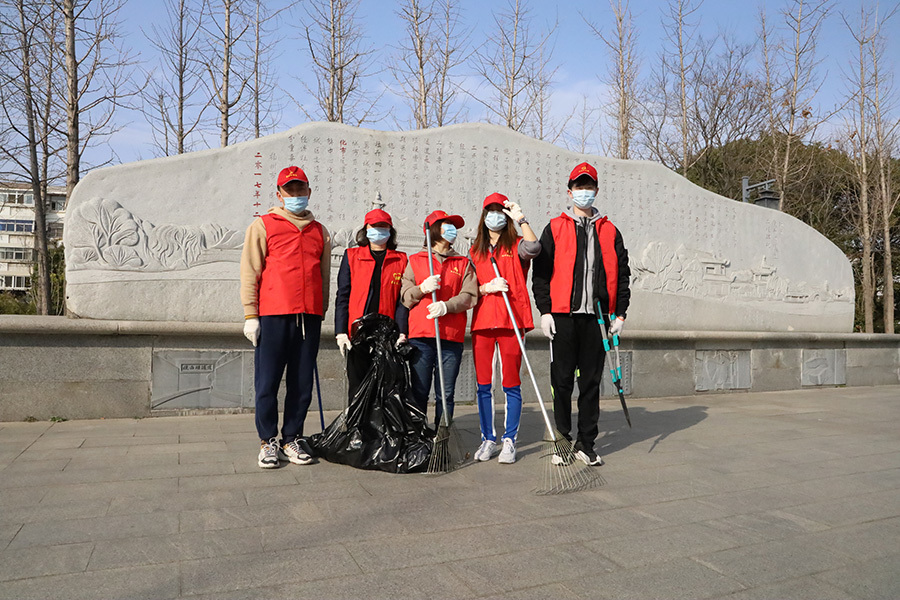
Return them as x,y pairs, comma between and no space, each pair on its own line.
486,451
296,452
508,454
268,454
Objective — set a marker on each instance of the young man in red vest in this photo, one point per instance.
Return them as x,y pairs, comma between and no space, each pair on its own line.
285,268
583,261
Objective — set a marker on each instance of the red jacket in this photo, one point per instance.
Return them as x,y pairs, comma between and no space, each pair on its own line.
564,243
490,312
452,272
362,266
291,280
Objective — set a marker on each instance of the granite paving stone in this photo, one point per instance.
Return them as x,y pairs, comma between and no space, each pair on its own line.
746,496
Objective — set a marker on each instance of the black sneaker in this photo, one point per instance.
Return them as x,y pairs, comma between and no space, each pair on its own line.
588,457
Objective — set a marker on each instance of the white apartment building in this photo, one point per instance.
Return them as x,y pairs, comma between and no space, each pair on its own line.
17,253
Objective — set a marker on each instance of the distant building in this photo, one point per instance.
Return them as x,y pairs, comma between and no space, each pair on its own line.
17,254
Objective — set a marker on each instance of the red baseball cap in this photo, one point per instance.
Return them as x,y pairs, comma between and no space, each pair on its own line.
583,169
289,174
378,216
495,198
440,215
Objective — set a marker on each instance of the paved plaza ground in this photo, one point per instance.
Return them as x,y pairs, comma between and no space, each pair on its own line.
740,496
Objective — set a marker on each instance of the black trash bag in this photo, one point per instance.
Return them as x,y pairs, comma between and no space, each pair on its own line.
382,429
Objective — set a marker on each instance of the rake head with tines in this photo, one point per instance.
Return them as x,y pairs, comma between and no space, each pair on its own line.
447,453
562,471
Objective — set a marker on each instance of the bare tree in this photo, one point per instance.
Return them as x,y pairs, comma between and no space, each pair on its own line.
226,23
792,82
169,99
266,107
413,67
26,43
450,52
98,76
681,59
863,35
507,63
587,120
884,139
622,74
334,39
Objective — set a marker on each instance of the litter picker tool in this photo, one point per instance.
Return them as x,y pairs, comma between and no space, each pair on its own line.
615,370
561,471
447,453
319,394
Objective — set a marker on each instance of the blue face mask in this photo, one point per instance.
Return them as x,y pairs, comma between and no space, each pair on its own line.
378,235
495,220
448,232
296,204
583,198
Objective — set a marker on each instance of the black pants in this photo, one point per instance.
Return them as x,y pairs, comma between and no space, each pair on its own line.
578,344
290,341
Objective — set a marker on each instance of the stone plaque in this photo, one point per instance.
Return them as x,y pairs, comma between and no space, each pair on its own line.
169,248
827,366
196,379
721,370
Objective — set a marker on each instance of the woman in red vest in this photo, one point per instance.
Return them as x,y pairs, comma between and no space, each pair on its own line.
369,282
456,288
492,330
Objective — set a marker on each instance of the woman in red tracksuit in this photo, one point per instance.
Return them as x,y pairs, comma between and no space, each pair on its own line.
369,282
492,330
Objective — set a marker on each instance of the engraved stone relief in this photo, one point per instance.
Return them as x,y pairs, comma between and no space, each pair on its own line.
721,370
689,272
823,367
107,236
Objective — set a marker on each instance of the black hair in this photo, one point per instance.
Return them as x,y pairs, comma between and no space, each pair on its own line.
583,181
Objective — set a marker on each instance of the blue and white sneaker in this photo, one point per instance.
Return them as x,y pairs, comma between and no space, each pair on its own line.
268,454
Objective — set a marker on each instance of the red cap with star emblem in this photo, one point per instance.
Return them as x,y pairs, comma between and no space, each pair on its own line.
495,198
581,170
439,215
289,174
373,217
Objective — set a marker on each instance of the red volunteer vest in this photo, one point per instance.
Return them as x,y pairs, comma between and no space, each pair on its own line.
564,240
452,272
362,266
490,312
291,280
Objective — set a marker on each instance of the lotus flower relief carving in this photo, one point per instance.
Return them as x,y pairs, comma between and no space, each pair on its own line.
105,235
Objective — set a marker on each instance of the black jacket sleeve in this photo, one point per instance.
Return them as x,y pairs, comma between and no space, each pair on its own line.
543,272
342,300
401,315
623,293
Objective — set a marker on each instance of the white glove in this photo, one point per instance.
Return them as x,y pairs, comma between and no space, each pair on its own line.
343,342
437,309
497,284
617,326
548,326
431,284
251,330
401,339
513,211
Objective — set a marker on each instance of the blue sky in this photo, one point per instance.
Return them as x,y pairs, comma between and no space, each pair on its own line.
580,56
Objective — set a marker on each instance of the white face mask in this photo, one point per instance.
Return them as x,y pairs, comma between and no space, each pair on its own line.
583,198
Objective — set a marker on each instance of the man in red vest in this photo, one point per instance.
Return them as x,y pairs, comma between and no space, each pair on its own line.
583,261
285,267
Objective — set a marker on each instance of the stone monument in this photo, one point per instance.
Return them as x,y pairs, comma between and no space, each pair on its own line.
161,239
